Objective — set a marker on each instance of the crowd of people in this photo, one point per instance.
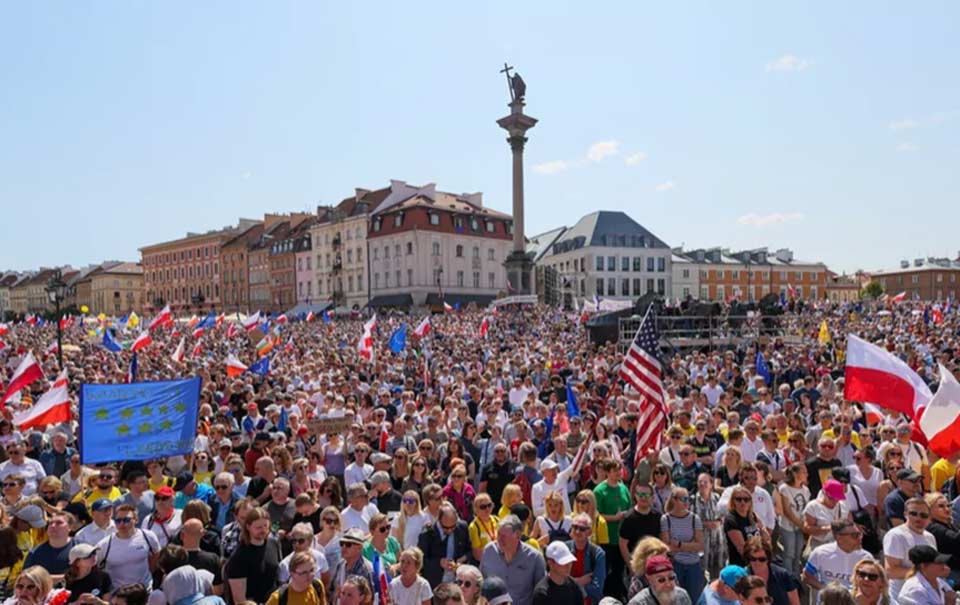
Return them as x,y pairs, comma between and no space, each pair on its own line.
491,467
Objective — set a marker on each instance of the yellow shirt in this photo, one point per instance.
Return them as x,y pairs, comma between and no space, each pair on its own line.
482,533
203,477
601,536
308,597
88,497
503,512
854,437
941,472
167,481
687,432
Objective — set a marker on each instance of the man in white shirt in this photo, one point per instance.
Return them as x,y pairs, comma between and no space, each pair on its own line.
129,552
554,480
899,540
834,561
358,514
762,501
752,444
712,390
102,513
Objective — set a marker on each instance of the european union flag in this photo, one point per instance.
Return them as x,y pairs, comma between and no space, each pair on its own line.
282,423
209,321
261,367
138,421
110,343
573,407
398,340
762,369
326,316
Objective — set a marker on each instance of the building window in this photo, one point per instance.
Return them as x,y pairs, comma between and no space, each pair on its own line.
349,255
376,224
735,275
376,280
625,263
813,292
476,279
459,252
650,265
409,277
799,291
914,279
490,253
386,252
434,219
491,279
386,279
600,264
399,283
939,278
686,274
458,224
360,282
409,248
491,227
436,248
612,286
600,285
661,264
350,283
459,279
649,285
476,252
611,263
474,224
624,287
398,220
721,293
813,276
359,255
636,286
720,274
661,286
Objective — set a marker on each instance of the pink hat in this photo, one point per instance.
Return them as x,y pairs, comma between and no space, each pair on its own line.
658,564
834,489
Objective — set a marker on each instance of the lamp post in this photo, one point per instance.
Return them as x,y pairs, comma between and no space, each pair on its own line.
55,292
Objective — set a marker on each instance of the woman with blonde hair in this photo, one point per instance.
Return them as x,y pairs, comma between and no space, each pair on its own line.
328,540
551,523
741,524
410,522
586,502
33,587
301,482
409,587
483,528
512,494
870,586
645,548
729,472
283,461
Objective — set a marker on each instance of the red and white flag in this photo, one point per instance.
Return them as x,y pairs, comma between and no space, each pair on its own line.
232,330
53,407
163,317
234,366
178,353
193,322
423,328
310,317
484,327
250,322
143,341
52,348
791,292
872,374
940,421
874,414
447,308
365,346
31,319
28,371
198,332
937,315
899,297
282,319
4,328
220,319
196,349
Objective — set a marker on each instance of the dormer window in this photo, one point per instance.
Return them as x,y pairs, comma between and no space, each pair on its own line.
434,218
376,224
398,220
474,224
491,227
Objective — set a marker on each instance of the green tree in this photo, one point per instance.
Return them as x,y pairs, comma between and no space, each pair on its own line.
872,290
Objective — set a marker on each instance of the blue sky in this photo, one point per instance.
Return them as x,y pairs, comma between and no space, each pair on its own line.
829,128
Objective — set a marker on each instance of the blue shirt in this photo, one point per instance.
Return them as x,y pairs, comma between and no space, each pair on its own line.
711,597
204,493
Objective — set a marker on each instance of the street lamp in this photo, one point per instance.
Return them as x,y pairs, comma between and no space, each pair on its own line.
56,291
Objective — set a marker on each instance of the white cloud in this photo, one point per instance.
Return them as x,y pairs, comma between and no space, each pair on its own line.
904,124
246,175
635,158
553,167
603,149
665,186
907,148
753,219
789,63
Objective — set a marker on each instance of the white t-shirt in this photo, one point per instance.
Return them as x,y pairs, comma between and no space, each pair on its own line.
417,593
828,563
165,532
31,471
750,449
92,534
868,485
128,559
712,393
412,528
897,543
825,516
283,571
796,498
356,474
540,490
358,519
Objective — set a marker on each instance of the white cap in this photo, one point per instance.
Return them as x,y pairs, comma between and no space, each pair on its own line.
548,464
559,553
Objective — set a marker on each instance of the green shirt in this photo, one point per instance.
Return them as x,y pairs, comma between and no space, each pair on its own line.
390,557
610,501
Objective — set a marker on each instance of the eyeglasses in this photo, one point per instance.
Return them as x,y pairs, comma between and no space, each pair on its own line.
742,499
221,487
11,484
347,545
464,583
643,495
416,464
655,473
331,521
665,579
299,540
162,498
748,478
917,513
409,500
757,559
580,528
122,520
235,471
106,477
826,446
866,575
458,476
485,505
448,527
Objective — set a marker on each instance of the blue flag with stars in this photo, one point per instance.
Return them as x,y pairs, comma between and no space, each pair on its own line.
138,421
762,368
261,367
398,340
110,343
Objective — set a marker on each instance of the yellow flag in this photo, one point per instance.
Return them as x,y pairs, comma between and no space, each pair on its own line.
825,336
133,320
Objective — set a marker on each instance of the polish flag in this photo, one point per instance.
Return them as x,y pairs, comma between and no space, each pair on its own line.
370,324
52,407
143,341
53,347
178,354
234,366
175,333
28,371
65,322
873,374
289,346
423,328
232,330
937,316
250,322
790,291
282,319
310,317
4,328
447,308
220,319
365,346
484,327
940,422
384,438
198,333
873,412
193,322
31,319
899,297
163,317
196,348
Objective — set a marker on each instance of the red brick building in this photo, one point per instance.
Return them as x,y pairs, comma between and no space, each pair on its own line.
926,279
752,274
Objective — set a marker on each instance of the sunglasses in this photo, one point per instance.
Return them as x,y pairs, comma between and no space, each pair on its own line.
409,500
383,529
579,528
122,520
757,559
300,540
25,587
742,499
485,505
464,583
917,513
162,498
331,521
11,484
684,499
221,487
347,545
866,575
665,579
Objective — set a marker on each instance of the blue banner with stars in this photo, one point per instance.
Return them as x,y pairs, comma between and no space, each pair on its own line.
138,421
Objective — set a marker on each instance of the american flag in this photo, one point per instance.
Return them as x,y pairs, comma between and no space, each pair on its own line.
641,369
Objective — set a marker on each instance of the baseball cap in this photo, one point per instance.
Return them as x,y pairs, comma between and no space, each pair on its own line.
33,515
834,489
907,474
731,573
658,564
559,553
548,465
925,553
101,504
184,479
166,492
81,551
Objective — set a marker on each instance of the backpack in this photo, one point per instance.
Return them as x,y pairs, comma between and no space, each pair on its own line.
526,487
871,539
557,533
317,588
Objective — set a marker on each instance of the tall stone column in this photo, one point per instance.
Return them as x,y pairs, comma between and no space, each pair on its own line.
519,264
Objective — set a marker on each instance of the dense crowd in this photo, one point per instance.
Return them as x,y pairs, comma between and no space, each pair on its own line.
468,475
